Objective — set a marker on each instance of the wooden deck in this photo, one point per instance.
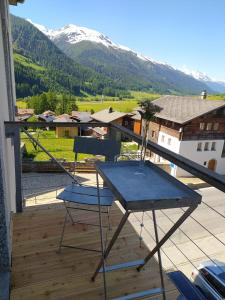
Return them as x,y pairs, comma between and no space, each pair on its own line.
39,272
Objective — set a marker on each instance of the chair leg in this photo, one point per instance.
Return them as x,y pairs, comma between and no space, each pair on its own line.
62,234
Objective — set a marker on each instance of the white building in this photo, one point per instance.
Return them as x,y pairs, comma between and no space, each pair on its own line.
8,191
193,127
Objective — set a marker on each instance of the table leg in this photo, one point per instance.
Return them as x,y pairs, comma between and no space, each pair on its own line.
168,235
101,236
111,243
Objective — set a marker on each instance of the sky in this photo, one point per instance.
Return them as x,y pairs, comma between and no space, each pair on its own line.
183,33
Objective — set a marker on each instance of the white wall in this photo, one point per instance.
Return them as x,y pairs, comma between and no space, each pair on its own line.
189,149
7,103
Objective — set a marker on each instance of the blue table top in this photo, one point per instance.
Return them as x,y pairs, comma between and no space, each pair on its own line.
143,186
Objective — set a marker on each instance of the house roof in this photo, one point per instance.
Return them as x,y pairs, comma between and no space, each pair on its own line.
99,130
108,115
64,118
49,113
82,116
136,115
25,111
184,109
47,118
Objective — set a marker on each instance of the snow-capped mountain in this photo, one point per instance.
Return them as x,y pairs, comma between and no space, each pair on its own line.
218,86
121,64
74,34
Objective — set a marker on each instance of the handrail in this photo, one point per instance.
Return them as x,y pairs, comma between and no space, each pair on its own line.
188,165
55,124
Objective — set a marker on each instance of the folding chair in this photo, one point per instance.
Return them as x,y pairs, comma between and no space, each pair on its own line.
84,195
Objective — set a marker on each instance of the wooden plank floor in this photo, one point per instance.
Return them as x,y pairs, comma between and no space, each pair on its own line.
39,272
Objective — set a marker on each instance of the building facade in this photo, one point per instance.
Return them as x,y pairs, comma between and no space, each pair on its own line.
192,127
8,192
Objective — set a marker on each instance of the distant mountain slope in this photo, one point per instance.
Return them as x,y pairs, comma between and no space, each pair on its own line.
96,51
217,86
59,73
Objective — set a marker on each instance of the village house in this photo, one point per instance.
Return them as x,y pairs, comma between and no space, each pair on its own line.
110,116
193,127
69,132
23,114
82,117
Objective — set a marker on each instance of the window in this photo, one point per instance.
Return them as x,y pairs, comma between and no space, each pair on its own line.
205,163
199,147
215,126
162,138
202,126
213,147
209,126
153,133
206,148
169,141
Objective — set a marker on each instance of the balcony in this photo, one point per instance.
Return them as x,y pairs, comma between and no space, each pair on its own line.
38,271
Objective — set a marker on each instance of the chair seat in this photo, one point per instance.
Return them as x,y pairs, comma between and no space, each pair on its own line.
87,195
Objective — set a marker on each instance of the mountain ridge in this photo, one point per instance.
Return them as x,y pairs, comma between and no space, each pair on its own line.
77,34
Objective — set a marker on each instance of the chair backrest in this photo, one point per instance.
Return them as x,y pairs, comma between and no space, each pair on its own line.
88,145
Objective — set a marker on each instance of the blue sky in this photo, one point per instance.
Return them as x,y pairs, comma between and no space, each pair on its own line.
182,33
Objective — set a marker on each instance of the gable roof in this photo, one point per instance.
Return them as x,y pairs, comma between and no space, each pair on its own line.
184,109
108,115
82,116
136,115
24,111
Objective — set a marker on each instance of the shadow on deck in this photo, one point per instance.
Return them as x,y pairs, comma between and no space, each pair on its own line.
39,272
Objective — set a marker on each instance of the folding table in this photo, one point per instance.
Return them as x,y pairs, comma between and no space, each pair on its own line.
142,186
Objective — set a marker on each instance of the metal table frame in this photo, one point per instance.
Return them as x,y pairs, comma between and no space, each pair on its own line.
159,243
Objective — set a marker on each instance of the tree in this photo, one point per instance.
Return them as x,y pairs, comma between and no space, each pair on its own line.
147,112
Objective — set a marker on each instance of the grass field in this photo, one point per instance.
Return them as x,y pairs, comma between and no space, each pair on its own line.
60,148
124,106
94,102
216,97
27,62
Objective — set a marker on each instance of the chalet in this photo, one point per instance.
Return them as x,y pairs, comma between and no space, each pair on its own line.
65,131
193,127
23,114
110,116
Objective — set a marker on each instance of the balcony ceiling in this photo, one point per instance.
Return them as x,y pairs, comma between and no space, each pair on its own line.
15,2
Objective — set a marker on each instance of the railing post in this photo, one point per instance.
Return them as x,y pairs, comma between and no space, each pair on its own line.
18,169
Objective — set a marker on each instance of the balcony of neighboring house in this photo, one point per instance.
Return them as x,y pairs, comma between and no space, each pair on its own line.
41,272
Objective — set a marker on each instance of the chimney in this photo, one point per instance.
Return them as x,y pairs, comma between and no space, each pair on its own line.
110,109
204,94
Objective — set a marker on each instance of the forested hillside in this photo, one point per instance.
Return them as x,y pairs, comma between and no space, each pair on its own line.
59,73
